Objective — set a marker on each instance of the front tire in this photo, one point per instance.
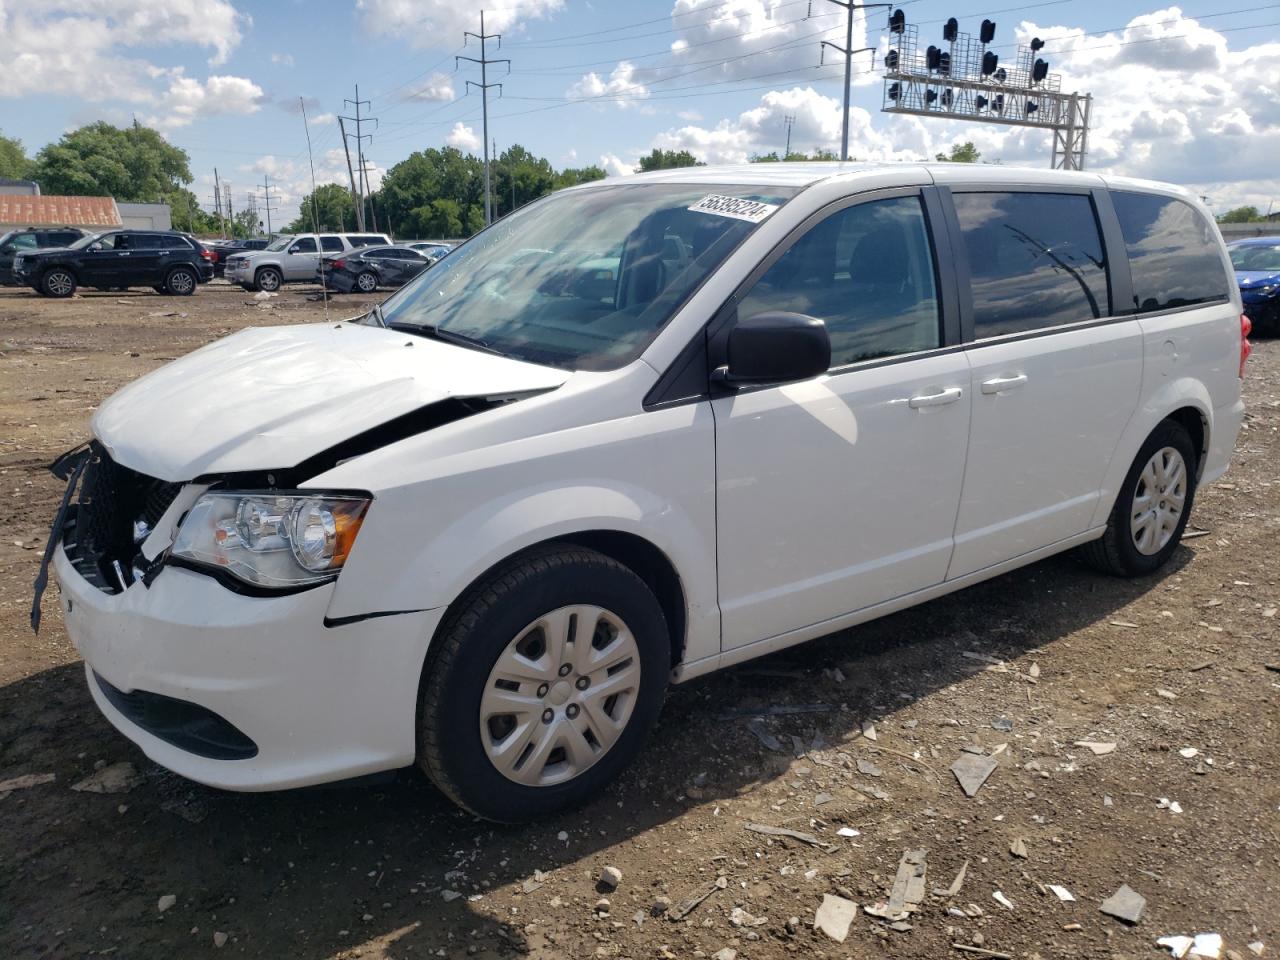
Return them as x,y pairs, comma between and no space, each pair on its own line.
1152,509
268,279
543,684
58,283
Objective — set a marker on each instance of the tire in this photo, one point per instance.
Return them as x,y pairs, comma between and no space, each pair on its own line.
58,282
366,282
181,282
268,279
1127,551
459,727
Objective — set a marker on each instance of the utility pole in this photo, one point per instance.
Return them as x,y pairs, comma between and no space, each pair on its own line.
848,52
790,121
266,200
355,196
373,210
360,138
484,86
217,202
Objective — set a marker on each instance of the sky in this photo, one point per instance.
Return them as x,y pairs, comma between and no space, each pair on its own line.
1185,94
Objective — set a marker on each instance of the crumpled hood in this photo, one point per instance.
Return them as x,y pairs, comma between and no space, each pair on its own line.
1249,279
268,398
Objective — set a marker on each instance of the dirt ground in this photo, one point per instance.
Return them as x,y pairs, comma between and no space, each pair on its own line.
390,869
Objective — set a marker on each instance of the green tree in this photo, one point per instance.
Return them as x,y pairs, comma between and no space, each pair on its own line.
187,215
518,177
572,176
14,162
334,209
244,223
667,159
961,153
794,157
1241,215
99,160
406,199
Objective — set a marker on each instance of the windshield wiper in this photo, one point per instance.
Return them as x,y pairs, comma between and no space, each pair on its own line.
448,336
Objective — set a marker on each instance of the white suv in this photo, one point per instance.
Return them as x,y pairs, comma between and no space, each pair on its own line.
485,526
293,258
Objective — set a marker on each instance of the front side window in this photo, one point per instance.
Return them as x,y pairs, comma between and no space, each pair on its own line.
279,243
868,272
331,244
1173,252
305,245
1035,260
586,278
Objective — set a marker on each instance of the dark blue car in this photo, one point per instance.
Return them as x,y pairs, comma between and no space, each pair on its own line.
1257,265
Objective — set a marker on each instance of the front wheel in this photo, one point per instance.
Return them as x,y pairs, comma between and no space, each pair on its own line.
1152,509
268,279
543,684
58,283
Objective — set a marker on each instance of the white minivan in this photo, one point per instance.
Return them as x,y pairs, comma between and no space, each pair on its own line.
483,527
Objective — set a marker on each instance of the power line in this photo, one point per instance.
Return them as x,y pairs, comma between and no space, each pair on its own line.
484,86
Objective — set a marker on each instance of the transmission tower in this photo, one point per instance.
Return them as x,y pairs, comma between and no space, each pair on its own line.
848,51
790,121
484,86
266,200
360,138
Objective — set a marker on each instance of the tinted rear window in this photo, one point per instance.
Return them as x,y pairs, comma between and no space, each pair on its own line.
1173,252
1035,260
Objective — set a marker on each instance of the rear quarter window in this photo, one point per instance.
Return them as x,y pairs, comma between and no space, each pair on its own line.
1173,252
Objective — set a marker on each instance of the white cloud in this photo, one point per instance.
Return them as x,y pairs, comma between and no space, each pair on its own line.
423,23
621,87
438,87
614,166
188,99
464,138
282,59
323,119
291,180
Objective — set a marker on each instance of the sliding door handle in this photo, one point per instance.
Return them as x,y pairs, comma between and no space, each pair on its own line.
1001,384
950,395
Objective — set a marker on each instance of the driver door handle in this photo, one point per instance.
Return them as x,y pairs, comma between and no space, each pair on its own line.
950,395
1001,384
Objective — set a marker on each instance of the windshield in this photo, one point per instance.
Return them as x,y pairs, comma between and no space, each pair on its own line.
1256,258
279,243
584,279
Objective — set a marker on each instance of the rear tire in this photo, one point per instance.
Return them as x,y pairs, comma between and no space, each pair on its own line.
181,282
586,710
58,282
1152,508
367,282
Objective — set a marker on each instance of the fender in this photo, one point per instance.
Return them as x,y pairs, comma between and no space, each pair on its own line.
1170,396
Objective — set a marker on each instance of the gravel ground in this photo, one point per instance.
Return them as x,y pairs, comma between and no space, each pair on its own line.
1022,669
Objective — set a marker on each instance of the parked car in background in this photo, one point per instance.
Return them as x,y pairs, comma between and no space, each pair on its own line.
433,250
170,262
32,238
367,269
294,258
221,249
483,527
1257,265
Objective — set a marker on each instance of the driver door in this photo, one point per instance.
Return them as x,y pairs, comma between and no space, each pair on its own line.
841,492
302,260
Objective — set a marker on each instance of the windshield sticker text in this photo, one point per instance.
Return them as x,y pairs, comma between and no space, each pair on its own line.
751,210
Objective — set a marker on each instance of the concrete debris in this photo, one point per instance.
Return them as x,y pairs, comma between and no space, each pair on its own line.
741,918
956,884
972,772
219,939
1124,623
835,674
1173,806
1167,694
1098,749
822,798
757,729
1207,946
873,792
1018,848
901,926
602,906
868,729
868,768
1034,670
727,953
117,778
25,781
692,904
610,877
848,832
835,916
449,895
1125,904
1062,893
1004,901
660,906
808,838
1003,724
165,902
908,885
1188,752
1257,948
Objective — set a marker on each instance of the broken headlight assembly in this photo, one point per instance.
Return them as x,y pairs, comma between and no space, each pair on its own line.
271,540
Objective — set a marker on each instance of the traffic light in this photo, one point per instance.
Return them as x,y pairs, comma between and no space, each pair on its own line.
950,29
989,63
980,102
944,63
891,60
1032,107
1039,71
895,91
1036,45
932,57
999,104
947,97
1001,75
987,32
897,21
930,96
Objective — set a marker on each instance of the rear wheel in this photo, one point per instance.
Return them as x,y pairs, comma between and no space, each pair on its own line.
58,282
543,684
1152,509
367,282
268,279
181,282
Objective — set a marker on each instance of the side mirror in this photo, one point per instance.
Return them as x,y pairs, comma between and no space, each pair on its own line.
777,347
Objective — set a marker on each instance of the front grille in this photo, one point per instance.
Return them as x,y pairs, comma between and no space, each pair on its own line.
115,513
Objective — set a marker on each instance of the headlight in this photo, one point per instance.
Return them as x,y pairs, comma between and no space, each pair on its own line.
269,539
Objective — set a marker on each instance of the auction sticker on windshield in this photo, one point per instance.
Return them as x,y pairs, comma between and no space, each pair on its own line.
736,207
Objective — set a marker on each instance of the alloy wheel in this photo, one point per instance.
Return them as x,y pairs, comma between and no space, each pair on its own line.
1158,500
560,695
182,282
59,283
367,282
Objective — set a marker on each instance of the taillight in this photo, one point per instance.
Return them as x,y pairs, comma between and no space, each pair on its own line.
1246,348
208,255
337,264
